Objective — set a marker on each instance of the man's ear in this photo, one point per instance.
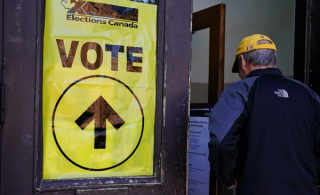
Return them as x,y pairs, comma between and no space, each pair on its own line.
243,63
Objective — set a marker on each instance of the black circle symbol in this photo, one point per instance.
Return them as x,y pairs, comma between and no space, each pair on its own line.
54,113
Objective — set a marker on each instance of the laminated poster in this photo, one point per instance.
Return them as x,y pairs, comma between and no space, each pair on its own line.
99,88
198,153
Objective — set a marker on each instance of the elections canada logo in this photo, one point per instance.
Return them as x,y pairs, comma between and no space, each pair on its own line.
100,13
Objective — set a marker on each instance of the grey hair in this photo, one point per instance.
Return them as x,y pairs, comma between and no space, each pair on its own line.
263,57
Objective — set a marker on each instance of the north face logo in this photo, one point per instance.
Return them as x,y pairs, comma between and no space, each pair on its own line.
282,93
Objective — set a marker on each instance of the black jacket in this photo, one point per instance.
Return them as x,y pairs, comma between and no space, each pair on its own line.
265,132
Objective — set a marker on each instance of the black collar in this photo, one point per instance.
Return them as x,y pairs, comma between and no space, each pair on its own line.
267,71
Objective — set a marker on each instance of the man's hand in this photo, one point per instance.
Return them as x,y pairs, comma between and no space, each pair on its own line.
234,186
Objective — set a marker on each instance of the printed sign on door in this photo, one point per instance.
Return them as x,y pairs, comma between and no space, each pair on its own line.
99,88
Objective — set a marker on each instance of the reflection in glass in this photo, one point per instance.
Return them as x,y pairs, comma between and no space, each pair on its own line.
200,66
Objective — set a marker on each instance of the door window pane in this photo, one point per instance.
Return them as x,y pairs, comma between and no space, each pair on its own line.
200,66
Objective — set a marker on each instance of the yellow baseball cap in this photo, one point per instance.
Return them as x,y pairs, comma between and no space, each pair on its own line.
252,43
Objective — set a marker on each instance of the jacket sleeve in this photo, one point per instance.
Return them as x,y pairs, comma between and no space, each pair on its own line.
225,123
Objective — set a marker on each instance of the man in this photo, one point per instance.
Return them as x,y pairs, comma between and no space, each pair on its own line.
265,129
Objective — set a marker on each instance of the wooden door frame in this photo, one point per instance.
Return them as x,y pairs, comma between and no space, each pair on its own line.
2,61
302,40
21,147
216,20
306,57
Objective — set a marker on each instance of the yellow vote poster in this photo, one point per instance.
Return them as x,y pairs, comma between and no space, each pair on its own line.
99,88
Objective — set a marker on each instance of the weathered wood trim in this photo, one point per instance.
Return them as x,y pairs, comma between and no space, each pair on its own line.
177,60
2,61
19,49
38,97
96,183
110,191
160,83
57,193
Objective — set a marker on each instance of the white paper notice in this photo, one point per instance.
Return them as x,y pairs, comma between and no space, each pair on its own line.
199,166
